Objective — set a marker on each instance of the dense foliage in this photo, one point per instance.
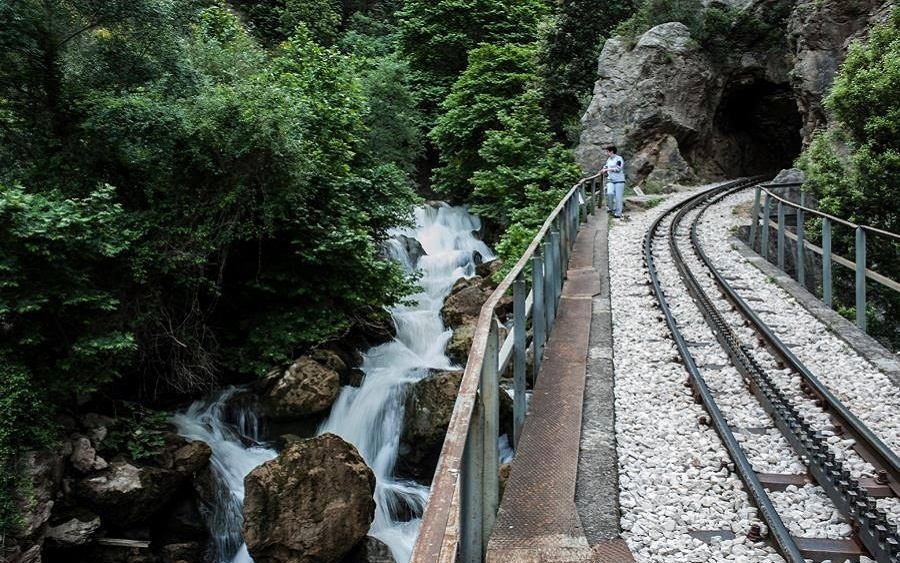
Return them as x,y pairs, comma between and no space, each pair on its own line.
568,59
853,168
718,27
167,186
195,190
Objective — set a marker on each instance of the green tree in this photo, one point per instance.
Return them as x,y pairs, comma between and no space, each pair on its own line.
323,19
392,120
436,37
524,176
495,77
568,59
219,168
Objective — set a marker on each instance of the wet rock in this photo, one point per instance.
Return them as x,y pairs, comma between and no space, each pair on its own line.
78,529
304,389
429,405
460,342
188,551
126,494
311,504
413,249
84,457
370,550
44,471
464,302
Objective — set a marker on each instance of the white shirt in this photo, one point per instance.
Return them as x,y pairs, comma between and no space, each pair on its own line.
615,168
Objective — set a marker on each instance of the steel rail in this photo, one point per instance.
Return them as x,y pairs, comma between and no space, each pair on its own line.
783,540
879,454
873,528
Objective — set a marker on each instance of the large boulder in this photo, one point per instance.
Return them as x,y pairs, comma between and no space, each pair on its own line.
427,410
661,89
311,504
76,528
127,494
370,550
463,304
460,342
306,388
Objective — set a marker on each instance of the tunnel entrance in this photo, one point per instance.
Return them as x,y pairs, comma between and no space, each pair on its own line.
758,128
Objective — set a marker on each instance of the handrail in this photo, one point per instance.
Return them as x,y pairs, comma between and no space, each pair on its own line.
818,213
862,273
464,490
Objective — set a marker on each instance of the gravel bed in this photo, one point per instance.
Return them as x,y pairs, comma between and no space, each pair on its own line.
859,385
674,475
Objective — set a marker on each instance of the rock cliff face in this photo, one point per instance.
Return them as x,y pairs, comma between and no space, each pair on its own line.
680,112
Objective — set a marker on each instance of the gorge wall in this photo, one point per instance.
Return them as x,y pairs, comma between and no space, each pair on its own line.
685,111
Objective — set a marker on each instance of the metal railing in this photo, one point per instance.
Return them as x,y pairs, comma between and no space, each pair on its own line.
464,499
801,212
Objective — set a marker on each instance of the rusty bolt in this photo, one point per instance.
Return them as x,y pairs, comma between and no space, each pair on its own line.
881,477
754,533
838,430
703,420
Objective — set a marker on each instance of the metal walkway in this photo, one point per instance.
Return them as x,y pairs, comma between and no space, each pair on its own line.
561,500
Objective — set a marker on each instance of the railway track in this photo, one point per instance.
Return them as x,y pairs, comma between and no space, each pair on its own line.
820,443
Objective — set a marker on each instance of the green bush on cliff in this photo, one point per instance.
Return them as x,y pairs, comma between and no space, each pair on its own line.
853,169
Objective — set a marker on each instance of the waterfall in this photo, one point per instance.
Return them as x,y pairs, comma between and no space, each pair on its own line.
371,416
231,429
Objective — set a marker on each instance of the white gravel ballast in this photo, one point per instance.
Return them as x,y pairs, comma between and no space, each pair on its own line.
680,501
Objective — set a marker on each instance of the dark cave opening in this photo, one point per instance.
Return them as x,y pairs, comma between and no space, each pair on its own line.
758,126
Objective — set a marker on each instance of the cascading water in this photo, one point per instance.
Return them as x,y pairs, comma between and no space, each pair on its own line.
370,416
231,429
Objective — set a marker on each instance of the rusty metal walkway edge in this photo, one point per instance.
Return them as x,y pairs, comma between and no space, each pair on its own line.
538,520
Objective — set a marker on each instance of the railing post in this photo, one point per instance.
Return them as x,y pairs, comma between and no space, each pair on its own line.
861,278
764,233
549,282
518,357
557,271
801,243
538,312
781,236
826,261
471,516
593,194
490,389
754,214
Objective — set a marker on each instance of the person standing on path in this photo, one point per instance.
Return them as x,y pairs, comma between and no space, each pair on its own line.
615,181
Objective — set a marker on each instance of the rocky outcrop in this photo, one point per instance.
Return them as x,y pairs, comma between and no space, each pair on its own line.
305,388
36,500
370,550
77,529
463,306
820,34
311,504
681,111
